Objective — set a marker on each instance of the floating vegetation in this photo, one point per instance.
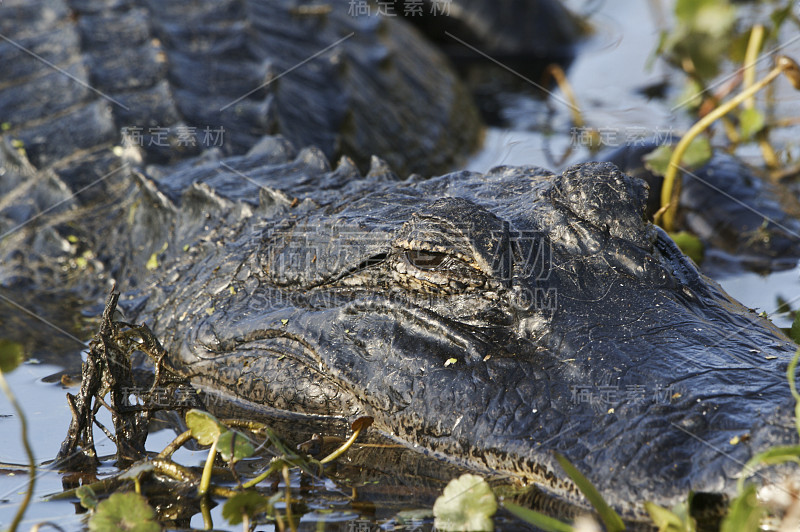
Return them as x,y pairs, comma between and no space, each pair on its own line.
467,503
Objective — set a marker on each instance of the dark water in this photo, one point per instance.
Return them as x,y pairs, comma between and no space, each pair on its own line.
607,78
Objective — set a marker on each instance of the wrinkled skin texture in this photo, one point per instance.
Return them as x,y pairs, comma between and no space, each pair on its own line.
156,70
314,291
381,90
351,296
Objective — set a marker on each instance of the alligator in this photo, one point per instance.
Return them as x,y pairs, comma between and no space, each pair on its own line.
82,79
487,319
360,85
525,35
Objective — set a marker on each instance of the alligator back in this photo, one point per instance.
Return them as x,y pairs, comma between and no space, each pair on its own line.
83,81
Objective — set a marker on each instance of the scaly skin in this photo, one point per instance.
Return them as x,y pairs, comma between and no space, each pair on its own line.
187,82
470,315
489,319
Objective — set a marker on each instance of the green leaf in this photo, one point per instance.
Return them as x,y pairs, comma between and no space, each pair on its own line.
205,427
751,121
87,496
702,35
783,306
467,503
152,262
537,519
690,245
249,503
609,517
657,161
242,448
794,332
744,513
773,456
11,355
124,511
715,19
691,96
697,153
683,510
686,10
777,455
778,17
738,48
667,520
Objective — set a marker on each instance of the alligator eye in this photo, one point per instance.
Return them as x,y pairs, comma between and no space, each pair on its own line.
425,260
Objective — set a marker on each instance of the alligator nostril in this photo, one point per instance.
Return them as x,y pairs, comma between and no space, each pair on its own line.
600,194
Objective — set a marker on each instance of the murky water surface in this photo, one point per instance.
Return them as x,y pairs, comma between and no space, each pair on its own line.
607,78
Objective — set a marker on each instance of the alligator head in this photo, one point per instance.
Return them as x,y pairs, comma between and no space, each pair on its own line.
490,319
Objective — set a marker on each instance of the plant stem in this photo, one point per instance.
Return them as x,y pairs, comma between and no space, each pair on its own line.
286,481
670,190
750,59
254,426
340,451
31,462
750,56
561,79
205,480
208,523
252,482
38,526
175,444
279,522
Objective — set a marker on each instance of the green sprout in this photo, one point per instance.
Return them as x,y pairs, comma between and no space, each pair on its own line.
124,511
